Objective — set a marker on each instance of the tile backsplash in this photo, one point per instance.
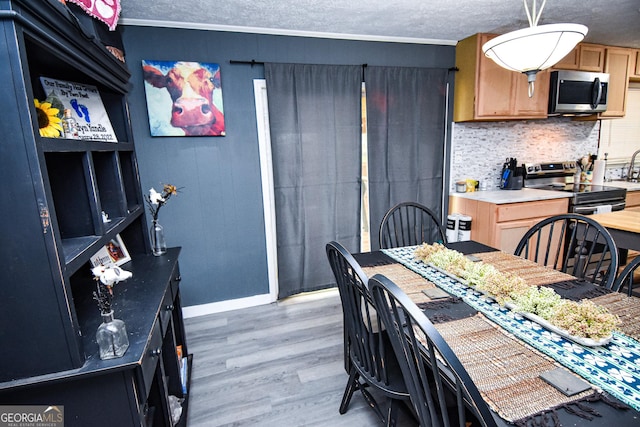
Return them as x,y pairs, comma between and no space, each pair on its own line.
479,149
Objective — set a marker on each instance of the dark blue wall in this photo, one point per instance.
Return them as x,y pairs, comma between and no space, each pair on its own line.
218,217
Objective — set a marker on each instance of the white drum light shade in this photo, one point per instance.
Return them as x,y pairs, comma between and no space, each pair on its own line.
535,48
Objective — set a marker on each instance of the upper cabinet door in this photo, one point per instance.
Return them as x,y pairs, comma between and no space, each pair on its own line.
591,57
494,87
617,64
569,62
536,106
584,57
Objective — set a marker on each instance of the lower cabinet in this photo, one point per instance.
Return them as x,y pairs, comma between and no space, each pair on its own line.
633,199
149,385
503,225
507,234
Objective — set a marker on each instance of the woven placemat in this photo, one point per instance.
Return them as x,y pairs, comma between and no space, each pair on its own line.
505,370
533,274
411,283
626,308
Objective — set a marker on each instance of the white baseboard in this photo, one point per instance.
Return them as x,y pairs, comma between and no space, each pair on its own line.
219,307
222,306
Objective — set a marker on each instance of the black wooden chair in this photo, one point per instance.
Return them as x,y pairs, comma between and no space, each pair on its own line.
442,392
372,360
408,224
625,278
574,244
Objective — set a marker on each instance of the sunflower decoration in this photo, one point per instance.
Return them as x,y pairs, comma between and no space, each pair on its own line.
49,122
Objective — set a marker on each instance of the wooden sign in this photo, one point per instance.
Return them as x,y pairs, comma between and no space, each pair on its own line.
86,107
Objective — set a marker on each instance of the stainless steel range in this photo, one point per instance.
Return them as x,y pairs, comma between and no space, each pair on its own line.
586,198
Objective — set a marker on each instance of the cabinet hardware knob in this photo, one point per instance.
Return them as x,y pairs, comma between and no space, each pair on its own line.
169,307
156,352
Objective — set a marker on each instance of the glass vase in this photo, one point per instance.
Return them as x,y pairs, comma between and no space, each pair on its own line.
158,244
112,337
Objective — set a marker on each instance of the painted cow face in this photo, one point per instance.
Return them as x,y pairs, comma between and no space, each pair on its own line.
191,88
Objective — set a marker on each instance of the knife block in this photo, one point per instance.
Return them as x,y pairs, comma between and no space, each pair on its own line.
514,183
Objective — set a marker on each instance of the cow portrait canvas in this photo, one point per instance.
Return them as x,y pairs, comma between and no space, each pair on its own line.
183,98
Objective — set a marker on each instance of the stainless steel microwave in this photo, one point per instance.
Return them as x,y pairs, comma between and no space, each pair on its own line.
578,92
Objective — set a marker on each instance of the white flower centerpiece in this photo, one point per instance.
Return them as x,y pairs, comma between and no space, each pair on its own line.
583,322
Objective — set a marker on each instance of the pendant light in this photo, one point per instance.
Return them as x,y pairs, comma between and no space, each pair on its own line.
536,48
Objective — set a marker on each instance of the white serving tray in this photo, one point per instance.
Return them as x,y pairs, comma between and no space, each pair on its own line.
587,342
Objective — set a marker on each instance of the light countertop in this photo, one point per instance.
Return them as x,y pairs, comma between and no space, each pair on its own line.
630,186
500,197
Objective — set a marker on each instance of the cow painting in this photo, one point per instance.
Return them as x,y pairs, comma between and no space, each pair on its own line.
183,98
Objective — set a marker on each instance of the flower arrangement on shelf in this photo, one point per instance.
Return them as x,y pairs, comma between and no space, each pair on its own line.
157,200
111,335
49,117
581,319
106,278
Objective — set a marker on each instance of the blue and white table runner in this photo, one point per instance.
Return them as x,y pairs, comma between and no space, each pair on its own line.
615,367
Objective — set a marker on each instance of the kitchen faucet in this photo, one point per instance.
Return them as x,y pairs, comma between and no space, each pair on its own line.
630,172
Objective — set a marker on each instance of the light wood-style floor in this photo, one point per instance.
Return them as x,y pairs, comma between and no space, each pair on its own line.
274,365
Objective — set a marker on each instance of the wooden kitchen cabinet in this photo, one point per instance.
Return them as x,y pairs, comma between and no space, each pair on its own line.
503,225
633,199
486,91
618,65
592,57
584,57
635,65
617,61
507,235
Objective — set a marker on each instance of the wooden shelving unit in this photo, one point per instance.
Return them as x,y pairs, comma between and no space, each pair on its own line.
55,193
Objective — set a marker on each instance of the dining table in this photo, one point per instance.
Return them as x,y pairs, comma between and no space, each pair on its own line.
623,225
515,361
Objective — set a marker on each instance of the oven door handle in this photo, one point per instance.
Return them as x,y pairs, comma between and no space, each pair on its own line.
585,210
619,206
588,210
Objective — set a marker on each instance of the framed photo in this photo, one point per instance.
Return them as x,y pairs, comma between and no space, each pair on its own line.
183,98
113,253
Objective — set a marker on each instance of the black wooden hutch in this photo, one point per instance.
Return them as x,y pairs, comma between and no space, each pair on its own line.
54,191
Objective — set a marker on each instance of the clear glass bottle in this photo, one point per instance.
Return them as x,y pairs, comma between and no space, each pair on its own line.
158,244
70,126
112,337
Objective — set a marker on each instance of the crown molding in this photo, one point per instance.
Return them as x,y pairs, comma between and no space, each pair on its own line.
280,32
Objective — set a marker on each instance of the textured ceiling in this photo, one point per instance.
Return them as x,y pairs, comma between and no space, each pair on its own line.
446,21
